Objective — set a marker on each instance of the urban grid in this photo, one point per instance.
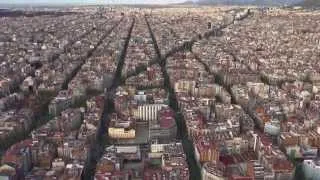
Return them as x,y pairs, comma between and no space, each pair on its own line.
173,92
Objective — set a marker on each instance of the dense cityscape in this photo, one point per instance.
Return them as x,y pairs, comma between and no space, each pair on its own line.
160,93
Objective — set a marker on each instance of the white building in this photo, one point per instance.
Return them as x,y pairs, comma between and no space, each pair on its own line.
272,128
209,171
311,169
140,97
148,112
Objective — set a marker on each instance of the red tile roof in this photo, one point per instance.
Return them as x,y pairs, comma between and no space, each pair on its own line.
282,165
226,160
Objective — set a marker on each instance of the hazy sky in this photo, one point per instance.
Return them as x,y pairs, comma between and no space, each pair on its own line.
89,1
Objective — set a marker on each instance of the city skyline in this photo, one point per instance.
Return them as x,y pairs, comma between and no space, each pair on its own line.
57,2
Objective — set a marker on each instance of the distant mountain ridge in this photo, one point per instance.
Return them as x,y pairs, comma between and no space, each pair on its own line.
310,3
251,2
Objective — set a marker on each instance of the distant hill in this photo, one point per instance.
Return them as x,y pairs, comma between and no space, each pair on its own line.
188,2
275,2
250,2
224,2
310,3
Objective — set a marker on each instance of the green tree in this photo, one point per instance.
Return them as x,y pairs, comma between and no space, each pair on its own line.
299,174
